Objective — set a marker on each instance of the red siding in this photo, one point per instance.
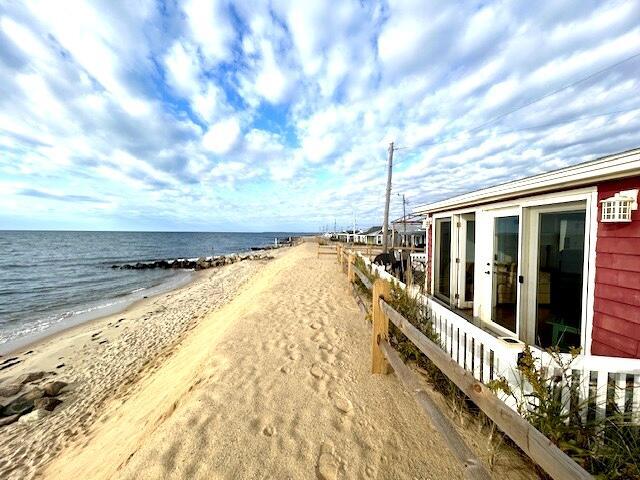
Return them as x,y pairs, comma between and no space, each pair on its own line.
616,321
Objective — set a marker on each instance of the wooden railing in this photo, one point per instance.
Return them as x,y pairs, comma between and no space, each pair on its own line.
592,380
480,357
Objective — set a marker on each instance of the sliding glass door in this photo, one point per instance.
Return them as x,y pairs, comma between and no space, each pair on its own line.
558,241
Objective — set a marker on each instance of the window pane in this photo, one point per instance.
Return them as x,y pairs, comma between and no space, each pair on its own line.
470,250
559,289
443,244
505,271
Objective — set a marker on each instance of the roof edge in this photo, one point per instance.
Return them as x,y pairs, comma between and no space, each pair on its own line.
617,165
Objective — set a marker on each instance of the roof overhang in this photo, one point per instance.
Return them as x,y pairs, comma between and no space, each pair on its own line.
619,165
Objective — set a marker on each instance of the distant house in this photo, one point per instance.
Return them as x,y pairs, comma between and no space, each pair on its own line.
347,236
551,260
408,232
374,236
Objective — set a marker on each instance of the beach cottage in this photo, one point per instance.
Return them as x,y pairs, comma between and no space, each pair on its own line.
551,260
347,236
373,236
408,232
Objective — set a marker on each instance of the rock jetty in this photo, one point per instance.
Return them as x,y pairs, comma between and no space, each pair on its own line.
201,263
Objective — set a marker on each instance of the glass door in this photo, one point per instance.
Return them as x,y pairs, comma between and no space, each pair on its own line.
442,264
465,260
504,269
556,291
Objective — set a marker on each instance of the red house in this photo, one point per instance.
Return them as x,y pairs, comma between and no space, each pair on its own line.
551,260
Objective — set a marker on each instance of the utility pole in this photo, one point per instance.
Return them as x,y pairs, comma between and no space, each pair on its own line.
354,227
385,225
404,220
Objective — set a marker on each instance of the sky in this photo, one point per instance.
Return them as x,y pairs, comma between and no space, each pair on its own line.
210,115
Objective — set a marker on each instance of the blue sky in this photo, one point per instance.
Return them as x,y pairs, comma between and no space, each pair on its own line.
276,115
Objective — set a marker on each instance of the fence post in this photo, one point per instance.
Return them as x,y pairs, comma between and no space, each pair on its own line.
350,272
379,364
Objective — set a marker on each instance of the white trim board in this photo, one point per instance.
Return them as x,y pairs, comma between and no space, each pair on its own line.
619,165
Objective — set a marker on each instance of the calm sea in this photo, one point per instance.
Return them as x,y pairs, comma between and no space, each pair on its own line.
53,280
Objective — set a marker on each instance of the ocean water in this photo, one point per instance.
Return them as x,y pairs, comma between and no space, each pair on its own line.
53,280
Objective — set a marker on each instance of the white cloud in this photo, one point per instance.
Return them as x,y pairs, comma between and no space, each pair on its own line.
183,69
210,26
222,136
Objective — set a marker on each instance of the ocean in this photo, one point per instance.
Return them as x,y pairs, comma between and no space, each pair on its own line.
53,280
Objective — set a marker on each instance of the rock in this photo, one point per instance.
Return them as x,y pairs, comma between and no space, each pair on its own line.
23,404
343,404
52,389
8,420
316,371
30,377
17,407
33,416
46,403
10,390
32,394
269,431
315,326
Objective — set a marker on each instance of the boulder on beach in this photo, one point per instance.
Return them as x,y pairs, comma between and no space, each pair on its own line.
52,389
46,403
10,390
8,420
34,416
23,404
30,377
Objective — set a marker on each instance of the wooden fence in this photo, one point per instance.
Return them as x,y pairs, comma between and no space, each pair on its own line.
467,360
592,385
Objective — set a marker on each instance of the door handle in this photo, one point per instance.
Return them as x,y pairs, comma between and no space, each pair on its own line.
488,272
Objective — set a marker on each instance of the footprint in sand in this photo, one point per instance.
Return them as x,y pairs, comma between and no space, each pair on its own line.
327,462
326,346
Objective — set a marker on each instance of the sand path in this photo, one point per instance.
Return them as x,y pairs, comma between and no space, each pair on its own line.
275,384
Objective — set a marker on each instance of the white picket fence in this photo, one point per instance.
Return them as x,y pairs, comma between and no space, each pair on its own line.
596,384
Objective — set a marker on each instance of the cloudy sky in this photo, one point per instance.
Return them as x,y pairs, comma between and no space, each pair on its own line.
276,115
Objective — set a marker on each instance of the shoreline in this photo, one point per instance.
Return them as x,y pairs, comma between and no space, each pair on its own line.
79,320
33,343
119,305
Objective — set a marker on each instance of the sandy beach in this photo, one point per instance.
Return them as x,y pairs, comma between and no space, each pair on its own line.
255,370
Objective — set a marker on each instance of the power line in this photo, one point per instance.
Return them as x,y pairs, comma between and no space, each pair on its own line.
527,104
534,127
550,94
